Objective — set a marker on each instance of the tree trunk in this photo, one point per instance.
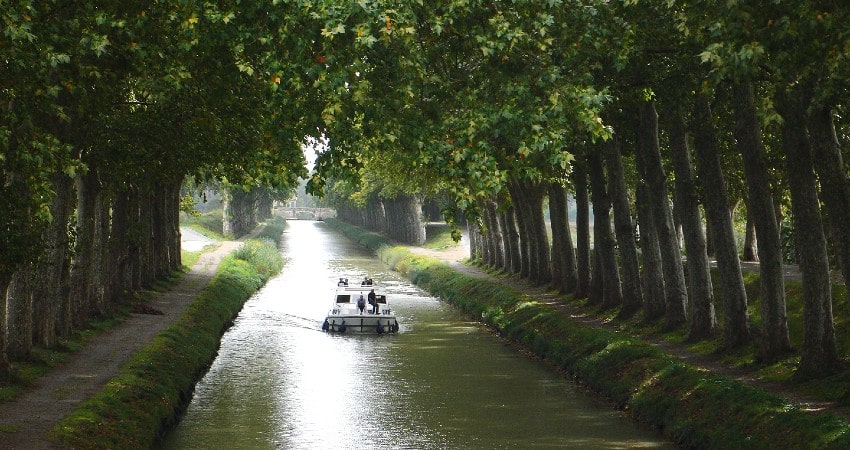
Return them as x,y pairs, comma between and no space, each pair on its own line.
556,218
676,298
50,292
147,248
173,220
775,340
134,254
582,230
486,236
736,329
703,319
505,243
563,253
5,367
19,314
750,239
624,229
603,251
119,245
402,219
540,235
819,355
835,190
512,240
498,249
475,244
85,264
523,225
653,275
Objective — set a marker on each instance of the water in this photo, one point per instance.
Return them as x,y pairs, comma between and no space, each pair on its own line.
442,382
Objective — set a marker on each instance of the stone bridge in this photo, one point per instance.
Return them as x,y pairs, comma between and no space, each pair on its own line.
303,213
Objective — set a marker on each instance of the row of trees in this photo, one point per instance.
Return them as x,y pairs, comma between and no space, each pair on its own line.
630,106
104,109
495,104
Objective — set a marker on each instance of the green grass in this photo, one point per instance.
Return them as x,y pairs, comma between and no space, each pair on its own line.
438,237
189,259
146,397
692,407
209,224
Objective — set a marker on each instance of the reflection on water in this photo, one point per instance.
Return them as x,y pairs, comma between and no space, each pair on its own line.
443,382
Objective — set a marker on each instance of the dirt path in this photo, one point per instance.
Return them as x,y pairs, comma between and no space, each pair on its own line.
25,421
708,363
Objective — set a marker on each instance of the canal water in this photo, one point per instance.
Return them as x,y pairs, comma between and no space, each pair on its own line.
443,382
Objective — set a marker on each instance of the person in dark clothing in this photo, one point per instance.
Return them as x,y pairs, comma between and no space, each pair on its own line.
361,303
373,300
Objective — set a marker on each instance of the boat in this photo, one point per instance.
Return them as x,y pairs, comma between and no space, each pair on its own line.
347,316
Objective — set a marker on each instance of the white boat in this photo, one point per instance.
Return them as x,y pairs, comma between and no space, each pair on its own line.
352,312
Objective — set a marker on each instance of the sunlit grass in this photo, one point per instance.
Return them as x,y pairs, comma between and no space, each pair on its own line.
208,224
438,237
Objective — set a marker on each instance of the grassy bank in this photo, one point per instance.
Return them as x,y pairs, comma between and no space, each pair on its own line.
691,407
136,406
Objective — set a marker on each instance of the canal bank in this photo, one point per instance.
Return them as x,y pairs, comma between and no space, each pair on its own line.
150,390
692,407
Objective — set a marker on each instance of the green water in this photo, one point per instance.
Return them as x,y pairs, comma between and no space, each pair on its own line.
442,383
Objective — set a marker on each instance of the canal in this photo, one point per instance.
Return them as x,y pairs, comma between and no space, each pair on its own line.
279,382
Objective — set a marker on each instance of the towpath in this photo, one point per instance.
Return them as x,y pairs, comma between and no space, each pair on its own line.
26,420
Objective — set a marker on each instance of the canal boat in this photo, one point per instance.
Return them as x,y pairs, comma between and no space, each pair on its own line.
353,311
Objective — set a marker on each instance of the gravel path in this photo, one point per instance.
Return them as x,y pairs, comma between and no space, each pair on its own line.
26,420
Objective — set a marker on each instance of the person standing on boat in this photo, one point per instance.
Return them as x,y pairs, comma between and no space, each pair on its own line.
341,282
373,300
361,303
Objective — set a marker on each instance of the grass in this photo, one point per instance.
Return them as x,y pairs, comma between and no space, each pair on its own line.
209,224
690,406
438,237
144,400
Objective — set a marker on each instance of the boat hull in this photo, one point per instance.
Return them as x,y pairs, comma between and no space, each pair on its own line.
361,323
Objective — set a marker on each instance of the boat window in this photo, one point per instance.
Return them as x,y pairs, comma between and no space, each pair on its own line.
381,298
343,299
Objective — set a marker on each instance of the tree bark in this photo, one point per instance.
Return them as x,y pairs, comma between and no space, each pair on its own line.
715,199
52,269
775,340
675,298
750,239
486,235
501,217
511,236
540,235
173,220
835,189
5,366
582,230
653,275
518,200
703,320
85,263
819,355
498,254
19,314
604,250
624,229
563,253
